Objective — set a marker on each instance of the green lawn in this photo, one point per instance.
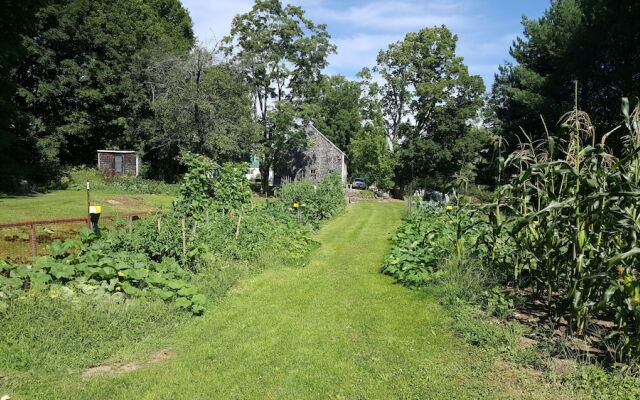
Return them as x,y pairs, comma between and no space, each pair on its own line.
73,203
336,329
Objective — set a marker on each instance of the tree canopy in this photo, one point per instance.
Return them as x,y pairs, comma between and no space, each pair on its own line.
428,100
82,84
282,54
593,42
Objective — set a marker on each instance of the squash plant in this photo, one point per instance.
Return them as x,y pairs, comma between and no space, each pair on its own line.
87,267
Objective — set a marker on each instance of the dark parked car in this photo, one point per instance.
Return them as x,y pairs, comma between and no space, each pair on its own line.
359,183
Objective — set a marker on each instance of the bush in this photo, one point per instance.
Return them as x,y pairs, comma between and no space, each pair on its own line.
77,177
317,203
231,188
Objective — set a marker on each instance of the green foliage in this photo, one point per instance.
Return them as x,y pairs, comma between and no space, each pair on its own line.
78,176
428,99
282,54
84,81
200,104
87,268
316,203
335,110
231,188
566,225
197,188
564,45
370,157
426,238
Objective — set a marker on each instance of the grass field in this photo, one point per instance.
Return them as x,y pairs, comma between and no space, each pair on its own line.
336,329
73,203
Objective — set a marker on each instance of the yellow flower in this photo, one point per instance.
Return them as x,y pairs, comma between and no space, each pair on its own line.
120,273
449,207
118,289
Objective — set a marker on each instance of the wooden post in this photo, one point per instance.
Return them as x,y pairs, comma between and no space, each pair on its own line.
158,222
184,238
410,202
130,219
238,226
34,244
88,206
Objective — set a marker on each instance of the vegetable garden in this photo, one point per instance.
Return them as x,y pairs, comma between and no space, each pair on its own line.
562,231
214,233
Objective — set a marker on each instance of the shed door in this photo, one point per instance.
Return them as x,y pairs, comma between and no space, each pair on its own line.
118,163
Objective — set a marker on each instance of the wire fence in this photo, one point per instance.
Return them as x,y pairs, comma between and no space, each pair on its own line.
24,239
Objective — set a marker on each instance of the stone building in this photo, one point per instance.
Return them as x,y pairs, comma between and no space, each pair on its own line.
118,162
314,163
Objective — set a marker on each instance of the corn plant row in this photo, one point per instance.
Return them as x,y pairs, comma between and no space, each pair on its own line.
566,226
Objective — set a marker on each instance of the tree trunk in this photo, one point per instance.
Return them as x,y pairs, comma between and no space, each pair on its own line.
264,176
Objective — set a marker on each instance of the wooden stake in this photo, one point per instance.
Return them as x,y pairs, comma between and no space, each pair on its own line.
34,244
238,226
184,238
158,222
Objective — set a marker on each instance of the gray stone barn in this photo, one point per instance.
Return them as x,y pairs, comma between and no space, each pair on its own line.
320,158
118,162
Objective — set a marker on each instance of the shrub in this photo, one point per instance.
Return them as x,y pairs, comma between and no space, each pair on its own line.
231,188
77,177
317,203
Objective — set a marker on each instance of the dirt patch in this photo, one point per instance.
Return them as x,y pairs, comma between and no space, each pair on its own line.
110,370
161,356
119,369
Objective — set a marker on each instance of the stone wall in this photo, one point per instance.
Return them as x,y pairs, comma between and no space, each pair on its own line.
319,159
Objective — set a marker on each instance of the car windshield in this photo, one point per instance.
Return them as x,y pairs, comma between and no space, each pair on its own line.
359,180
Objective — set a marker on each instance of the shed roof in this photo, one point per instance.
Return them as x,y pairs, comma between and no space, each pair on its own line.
118,151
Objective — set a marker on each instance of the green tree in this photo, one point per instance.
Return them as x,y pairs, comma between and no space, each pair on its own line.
593,42
336,110
428,99
199,105
282,54
83,84
371,157
17,19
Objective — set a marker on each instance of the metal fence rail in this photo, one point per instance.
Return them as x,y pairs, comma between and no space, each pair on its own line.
19,240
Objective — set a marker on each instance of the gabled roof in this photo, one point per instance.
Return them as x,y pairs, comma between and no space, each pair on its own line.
310,125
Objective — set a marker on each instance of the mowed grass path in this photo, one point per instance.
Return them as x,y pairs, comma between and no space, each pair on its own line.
336,329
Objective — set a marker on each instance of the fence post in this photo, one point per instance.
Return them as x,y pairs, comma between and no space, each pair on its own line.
158,224
34,244
130,219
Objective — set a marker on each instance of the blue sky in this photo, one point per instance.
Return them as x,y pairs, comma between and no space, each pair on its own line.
360,28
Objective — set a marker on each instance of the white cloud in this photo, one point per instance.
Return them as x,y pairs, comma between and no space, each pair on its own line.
396,15
358,51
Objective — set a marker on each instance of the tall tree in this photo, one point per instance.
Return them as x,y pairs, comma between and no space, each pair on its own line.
336,110
17,19
428,101
200,104
594,42
282,54
83,85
